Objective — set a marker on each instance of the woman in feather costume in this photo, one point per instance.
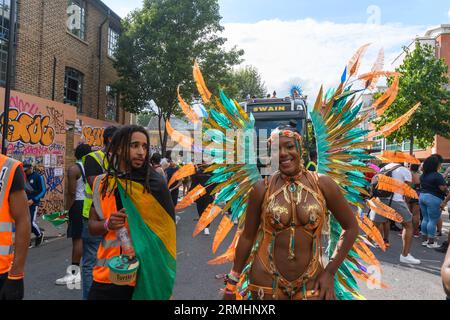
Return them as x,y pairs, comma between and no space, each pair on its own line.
277,248
288,211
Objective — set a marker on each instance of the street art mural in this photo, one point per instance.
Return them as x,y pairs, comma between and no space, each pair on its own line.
37,133
90,131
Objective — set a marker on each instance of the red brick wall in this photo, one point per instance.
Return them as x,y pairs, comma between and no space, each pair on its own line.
43,35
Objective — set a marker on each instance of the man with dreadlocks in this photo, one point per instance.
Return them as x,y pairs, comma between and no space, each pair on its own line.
132,194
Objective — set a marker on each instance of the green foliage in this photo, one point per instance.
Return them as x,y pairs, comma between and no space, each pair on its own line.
246,81
157,49
424,79
144,118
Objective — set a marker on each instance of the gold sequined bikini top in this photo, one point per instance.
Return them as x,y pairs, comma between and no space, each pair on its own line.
295,195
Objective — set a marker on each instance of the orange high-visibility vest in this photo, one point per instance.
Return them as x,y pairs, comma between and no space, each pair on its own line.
7,227
110,244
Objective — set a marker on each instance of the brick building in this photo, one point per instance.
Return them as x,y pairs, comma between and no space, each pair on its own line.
61,88
64,52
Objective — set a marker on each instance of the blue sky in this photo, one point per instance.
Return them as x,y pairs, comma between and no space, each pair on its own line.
309,42
409,12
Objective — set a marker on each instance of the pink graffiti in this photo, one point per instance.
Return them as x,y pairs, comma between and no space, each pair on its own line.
23,106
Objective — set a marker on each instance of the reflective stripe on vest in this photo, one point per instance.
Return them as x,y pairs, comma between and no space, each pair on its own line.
6,227
102,262
96,196
8,168
6,250
110,245
98,156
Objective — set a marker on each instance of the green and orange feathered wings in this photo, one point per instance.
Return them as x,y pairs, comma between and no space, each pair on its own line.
341,151
232,180
340,145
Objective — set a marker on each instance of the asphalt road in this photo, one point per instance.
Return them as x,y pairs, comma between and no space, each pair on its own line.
197,280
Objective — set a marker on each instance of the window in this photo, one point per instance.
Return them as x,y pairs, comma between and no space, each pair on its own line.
73,88
111,104
112,42
76,18
4,37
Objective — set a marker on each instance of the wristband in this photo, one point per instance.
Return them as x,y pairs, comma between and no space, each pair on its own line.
18,276
230,287
106,225
235,274
228,292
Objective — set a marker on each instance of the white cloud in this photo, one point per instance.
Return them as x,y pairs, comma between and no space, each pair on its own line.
311,53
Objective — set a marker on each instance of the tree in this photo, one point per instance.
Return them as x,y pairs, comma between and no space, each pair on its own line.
157,49
424,79
144,118
246,81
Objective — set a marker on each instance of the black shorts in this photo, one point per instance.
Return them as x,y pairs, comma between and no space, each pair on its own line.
75,220
109,291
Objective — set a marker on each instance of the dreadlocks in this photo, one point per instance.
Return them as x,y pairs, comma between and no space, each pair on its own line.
118,151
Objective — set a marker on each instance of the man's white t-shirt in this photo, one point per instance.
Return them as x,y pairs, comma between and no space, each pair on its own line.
403,174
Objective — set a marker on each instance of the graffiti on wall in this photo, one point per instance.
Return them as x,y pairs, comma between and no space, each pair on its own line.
37,134
29,128
93,136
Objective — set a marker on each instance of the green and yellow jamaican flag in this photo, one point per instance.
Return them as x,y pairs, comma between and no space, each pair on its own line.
152,228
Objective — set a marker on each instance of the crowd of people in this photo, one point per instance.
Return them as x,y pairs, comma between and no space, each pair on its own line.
421,217
111,190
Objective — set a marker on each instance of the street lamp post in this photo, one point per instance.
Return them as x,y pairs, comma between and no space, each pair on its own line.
12,32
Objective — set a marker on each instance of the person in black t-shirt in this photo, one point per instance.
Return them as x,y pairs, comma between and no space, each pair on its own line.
175,189
433,190
201,177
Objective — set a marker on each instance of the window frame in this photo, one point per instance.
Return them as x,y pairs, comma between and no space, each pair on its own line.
82,30
67,77
111,95
111,50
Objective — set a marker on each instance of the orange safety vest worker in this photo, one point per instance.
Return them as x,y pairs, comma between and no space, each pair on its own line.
7,227
110,244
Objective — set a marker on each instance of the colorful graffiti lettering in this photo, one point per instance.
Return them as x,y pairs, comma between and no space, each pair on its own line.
22,106
30,129
57,120
93,136
54,183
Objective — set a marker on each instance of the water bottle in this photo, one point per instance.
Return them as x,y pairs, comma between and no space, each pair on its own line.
125,242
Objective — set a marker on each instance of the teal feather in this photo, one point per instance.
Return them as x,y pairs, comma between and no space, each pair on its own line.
221,119
229,105
227,193
219,178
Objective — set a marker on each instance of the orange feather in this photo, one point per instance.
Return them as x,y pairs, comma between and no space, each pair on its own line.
377,66
200,83
383,210
187,110
222,230
397,157
193,195
229,255
210,213
375,74
372,232
393,185
178,137
387,98
355,61
183,172
389,128
365,253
